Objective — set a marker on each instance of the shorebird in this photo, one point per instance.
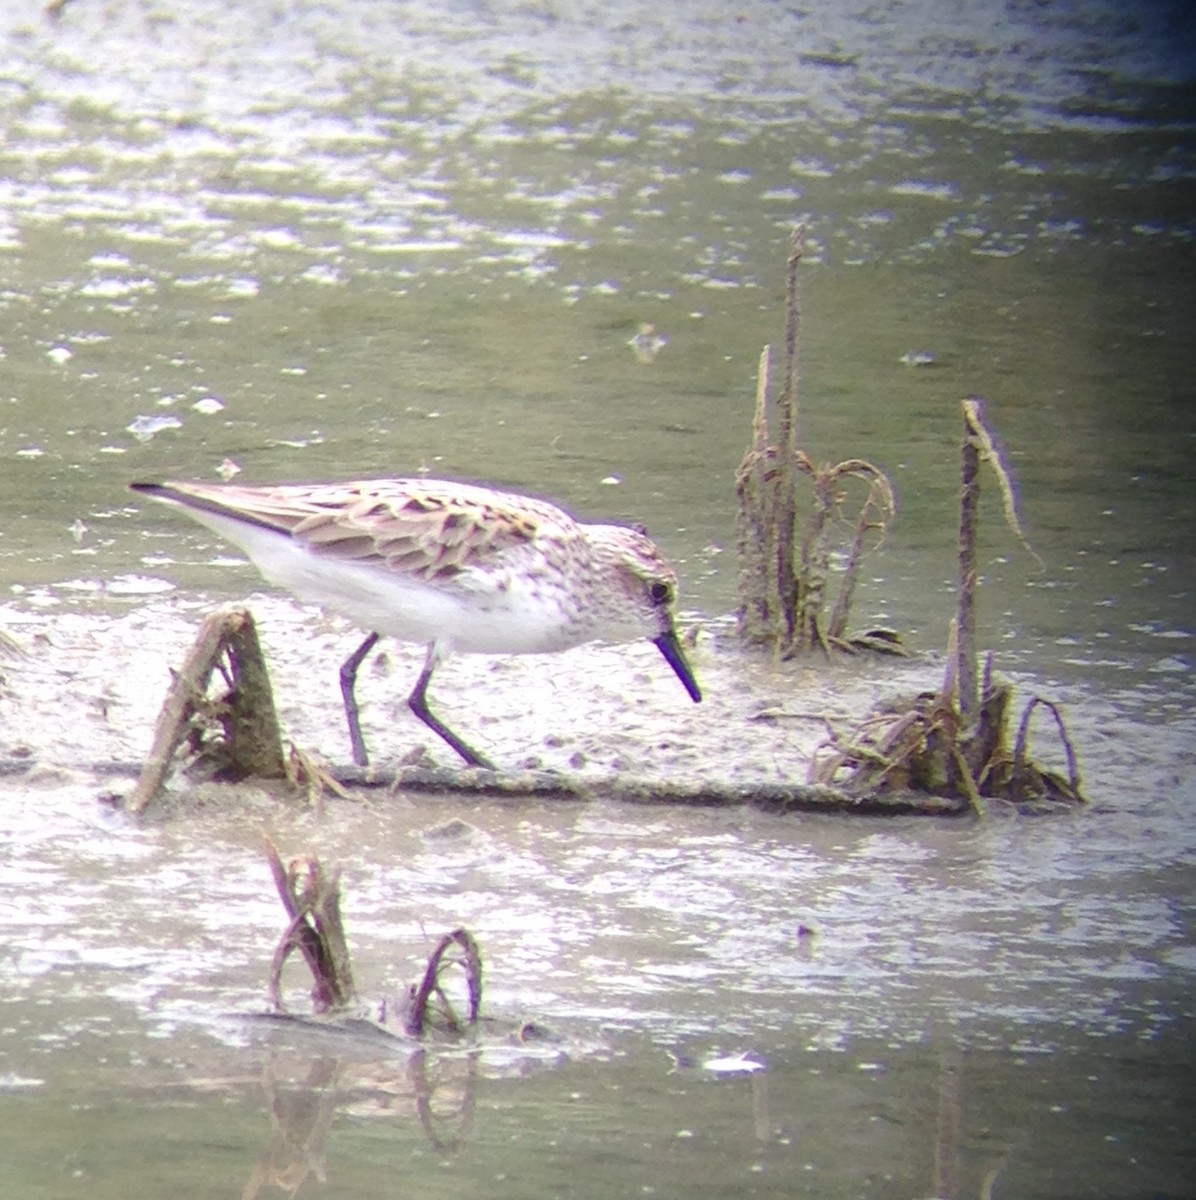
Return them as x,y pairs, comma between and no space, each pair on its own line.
454,566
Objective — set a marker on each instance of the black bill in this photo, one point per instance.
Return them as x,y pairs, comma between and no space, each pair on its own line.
670,647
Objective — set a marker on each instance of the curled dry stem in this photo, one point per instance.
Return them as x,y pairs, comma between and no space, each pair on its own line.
1022,769
986,443
794,616
470,961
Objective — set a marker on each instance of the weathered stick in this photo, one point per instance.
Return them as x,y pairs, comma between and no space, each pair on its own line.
755,528
251,729
786,486
966,672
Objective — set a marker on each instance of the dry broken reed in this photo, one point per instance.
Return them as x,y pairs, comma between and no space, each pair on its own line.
794,514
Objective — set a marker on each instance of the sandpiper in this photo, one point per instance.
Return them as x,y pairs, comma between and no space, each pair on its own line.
454,566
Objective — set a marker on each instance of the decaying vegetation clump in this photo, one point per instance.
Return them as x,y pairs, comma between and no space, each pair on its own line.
311,896
955,741
248,742
951,743
233,736
786,599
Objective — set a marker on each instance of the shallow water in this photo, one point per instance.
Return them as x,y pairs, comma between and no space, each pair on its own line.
357,239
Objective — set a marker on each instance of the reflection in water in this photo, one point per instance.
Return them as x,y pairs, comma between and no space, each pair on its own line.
876,1118
445,1096
300,1116
440,1090
933,1121
948,1127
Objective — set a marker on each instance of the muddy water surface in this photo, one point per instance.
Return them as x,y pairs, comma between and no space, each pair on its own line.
374,238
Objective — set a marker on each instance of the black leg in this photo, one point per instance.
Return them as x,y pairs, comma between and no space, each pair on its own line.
418,703
348,683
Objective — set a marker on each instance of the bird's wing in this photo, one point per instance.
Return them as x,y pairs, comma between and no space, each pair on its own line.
429,529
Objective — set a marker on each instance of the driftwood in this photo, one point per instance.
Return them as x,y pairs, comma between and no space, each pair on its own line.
249,744
785,566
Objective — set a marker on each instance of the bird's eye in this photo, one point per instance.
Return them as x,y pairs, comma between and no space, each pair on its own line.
660,593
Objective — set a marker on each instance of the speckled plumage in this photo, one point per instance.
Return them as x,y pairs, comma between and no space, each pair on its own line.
458,567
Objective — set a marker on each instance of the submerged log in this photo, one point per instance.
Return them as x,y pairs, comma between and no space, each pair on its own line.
768,796
779,797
